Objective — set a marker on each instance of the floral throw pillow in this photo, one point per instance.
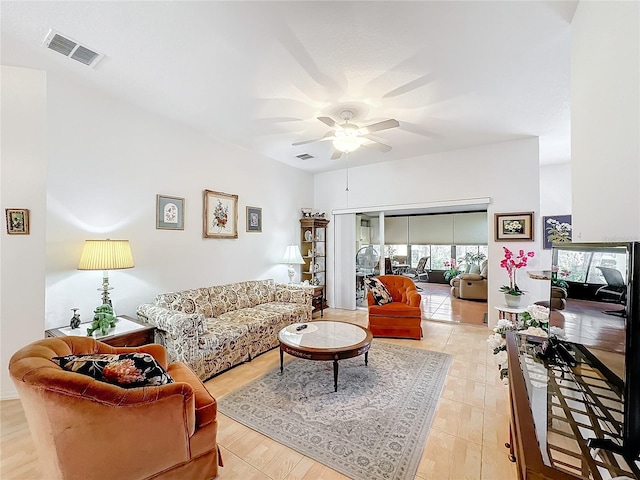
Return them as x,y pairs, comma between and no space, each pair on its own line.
128,370
380,293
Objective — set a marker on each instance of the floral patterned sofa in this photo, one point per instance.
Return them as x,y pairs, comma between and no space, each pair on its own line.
212,329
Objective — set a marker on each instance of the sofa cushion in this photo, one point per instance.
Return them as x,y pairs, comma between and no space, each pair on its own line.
127,370
394,309
225,298
187,301
260,291
380,293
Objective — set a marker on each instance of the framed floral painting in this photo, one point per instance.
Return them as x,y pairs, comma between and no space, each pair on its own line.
220,219
254,219
556,229
514,226
169,213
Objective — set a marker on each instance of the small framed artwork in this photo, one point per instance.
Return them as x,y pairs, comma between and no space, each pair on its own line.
220,218
514,226
254,219
556,229
17,221
169,213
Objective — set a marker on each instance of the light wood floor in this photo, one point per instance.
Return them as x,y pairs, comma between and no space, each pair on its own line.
466,439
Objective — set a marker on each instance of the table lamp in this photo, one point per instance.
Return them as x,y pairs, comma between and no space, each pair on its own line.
292,255
105,255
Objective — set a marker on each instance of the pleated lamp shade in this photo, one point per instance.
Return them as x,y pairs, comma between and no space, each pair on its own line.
106,255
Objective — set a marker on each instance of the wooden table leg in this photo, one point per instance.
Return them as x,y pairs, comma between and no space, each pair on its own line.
366,359
335,375
281,360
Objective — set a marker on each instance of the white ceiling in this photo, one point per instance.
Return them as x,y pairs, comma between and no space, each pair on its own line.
454,74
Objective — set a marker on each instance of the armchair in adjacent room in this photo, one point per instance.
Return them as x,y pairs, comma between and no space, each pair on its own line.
471,286
400,318
419,273
87,428
615,289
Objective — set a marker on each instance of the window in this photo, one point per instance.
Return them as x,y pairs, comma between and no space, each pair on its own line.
581,266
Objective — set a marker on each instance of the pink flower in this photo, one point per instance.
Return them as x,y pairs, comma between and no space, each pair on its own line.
511,265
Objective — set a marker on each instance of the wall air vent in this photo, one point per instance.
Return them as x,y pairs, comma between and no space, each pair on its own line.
304,156
70,48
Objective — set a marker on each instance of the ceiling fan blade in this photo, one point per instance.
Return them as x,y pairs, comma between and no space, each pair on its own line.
330,122
336,155
327,136
376,127
377,145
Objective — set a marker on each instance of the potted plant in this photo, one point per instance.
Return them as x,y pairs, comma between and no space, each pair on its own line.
452,269
473,261
511,264
559,282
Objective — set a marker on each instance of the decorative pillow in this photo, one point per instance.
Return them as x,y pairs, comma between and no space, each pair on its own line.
380,293
127,370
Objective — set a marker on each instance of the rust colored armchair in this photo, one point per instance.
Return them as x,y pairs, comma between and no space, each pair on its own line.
85,428
402,317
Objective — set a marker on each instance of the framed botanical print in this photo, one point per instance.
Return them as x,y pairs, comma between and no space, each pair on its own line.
556,229
17,221
169,213
514,226
254,219
220,219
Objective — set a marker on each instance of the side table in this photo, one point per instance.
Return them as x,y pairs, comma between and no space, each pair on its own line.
128,332
510,313
318,299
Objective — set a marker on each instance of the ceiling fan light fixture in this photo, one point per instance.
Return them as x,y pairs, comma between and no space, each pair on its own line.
347,140
346,144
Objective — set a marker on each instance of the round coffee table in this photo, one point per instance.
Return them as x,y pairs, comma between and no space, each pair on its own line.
325,340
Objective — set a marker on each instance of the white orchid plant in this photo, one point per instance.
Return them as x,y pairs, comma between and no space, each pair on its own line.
534,321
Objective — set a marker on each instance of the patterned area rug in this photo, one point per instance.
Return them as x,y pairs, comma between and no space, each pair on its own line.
374,427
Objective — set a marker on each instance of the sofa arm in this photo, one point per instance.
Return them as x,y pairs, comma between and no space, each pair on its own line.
290,293
178,331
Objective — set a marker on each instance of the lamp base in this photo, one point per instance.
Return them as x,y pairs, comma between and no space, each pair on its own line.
291,271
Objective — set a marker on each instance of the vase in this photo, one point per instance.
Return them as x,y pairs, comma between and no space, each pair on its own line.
512,300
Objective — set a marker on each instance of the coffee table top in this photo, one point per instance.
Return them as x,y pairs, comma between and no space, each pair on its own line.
324,335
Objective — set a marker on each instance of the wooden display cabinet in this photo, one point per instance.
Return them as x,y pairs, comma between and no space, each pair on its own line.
313,241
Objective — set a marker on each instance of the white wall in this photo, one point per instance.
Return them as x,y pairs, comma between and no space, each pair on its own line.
555,198
106,163
605,121
507,172
23,167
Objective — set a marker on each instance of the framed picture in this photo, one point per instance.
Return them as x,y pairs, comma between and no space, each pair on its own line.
169,213
17,221
514,226
254,219
556,229
220,215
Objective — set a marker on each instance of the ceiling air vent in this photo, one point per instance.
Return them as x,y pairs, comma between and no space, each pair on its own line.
304,156
70,48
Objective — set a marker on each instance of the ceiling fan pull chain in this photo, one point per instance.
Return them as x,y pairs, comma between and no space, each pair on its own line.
347,164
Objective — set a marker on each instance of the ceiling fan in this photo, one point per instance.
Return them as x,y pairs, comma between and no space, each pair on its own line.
347,136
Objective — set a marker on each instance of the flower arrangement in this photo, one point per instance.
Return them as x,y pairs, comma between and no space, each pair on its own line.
452,269
534,321
511,264
558,232
559,282
220,216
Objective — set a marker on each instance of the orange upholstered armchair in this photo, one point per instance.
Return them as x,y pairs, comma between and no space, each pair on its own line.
400,318
85,428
